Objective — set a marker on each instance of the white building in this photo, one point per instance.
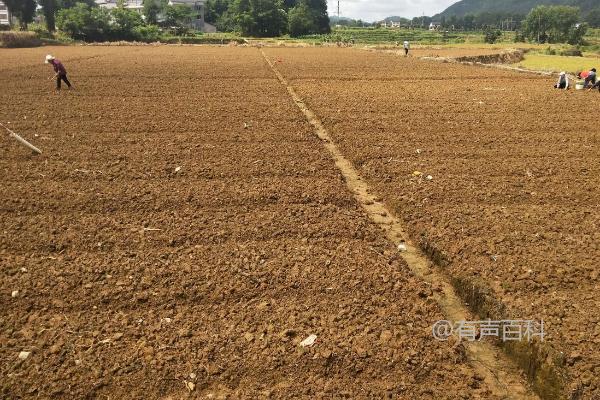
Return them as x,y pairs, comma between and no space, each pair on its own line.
4,15
391,24
198,6
434,26
135,5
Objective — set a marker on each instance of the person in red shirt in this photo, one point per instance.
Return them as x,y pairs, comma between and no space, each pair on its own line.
583,74
59,69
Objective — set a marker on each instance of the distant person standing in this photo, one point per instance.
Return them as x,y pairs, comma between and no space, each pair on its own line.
563,81
60,71
406,47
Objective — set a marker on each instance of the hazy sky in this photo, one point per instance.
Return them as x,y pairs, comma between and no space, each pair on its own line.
374,10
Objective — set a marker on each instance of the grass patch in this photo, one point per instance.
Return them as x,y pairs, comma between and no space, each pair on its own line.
542,62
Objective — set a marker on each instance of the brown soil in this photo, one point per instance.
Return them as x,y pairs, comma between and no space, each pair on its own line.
184,231
513,206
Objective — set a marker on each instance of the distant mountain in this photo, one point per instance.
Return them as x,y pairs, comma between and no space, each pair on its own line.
334,19
464,7
396,19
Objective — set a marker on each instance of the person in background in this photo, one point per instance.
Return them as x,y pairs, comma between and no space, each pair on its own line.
406,47
60,71
590,79
563,81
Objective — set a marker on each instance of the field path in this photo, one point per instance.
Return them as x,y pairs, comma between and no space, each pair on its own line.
486,359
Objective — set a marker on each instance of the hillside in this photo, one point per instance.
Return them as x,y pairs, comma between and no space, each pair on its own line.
464,7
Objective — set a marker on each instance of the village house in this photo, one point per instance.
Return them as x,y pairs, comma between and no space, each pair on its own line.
4,15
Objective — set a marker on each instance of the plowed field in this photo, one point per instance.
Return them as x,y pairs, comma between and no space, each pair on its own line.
513,205
184,229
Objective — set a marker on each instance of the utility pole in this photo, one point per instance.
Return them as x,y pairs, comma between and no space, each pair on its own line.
338,11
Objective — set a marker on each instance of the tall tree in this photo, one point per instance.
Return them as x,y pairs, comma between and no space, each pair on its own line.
593,18
261,18
215,9
469,22
23,10
49,10
320,17
553,24
289,4
301,21
151,10
124,22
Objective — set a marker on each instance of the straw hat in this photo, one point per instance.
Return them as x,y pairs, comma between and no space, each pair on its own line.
49,58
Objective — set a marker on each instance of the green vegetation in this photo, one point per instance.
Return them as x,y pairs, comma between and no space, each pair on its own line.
256,18
474,7
542,62
269,18
492,35
375,35
554,24
23,10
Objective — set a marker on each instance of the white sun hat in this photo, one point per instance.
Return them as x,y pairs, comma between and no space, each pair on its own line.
563,73
49,58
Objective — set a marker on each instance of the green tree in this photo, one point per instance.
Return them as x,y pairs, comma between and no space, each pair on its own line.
593,18
289,4
469,22
215,9
553,24
147,33
576,34
320,17
300,21
49,10
492,35
261,18
152,8
422,22
23,10
270,18
85,23
178,15
309,17
124,22
452,22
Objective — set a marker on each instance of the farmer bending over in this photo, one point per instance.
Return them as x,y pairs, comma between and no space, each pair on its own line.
591,78
59,69
563,81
